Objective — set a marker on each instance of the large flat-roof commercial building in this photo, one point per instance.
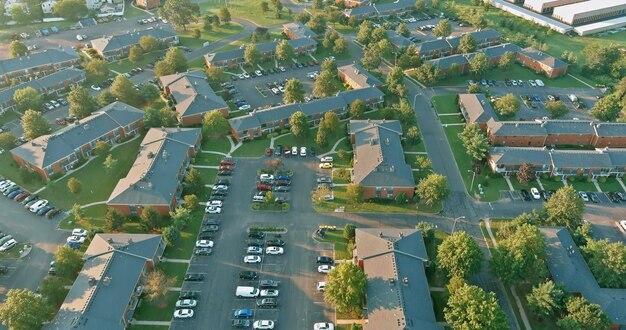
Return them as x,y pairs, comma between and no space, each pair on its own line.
590,11
547,6
532,16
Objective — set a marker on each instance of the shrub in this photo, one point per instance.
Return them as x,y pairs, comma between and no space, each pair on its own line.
556,178
602,179
401,198
588,180
545,176
571,178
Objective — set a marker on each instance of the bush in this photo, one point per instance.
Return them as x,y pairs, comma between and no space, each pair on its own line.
545,176
588,180
571,178
602,179
401,198
268,228
556,178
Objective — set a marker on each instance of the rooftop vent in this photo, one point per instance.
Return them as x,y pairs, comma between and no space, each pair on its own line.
387,141
380,234
130,240
106,281
405,280
151,155
92,281
86,126
165,154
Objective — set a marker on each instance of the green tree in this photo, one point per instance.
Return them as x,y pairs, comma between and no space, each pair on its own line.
149,218
193,182
175,61
442,29
102,147
181,217
7,141
474,89
148,93
345,287
507,105
331,121
433,188
294,91
71,10
180,12
547,299
395,83
97,69
303,17
19,15
76,212
109,163
607,108
372,57
582,314
521,256
68,261
467,44
428,74
413,135
600,58
113,220
354,193
284,51
265,7
224,15
329,66
251,54
196,33
459,255
607,262
403,30
317,23
214,124
525,174
423,163
319,194
507,60
406,114
556,109
321,138
298,124
324,85
479,64
475,142
157,285
170,234
269,199
365,33
340,46
564,208
74,185
23,309
148,43
17,49
124,90
81,103
470,307
34,124
357,109
419,5
135,54
52,289
214,73
349,231
191,202
28,98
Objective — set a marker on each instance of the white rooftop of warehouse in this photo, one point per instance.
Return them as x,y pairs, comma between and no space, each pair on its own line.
567,12
601,26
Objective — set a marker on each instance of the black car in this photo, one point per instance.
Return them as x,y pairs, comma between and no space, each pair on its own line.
255,242
312,151
219,193
205,236
267,303
280,200
256,234
217,198
526,195
268,284
189,295
210,221
275,242
282,188
325,260
225,173
52,213
241,324
196,277
594,197
210,228
248,275
546,195
613,196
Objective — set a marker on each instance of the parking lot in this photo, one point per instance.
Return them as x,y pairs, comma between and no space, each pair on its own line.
299,303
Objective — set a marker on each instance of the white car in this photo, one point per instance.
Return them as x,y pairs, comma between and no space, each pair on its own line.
266,177
183,313
327,159
254,250
539,83
95,88
186,303
535,193
220,187
281,68
325,269
321,286
532,83
269,293
79,232
76,239
302,151
622,224
263,324
258,73
294,151
203,243
323,326
583,195
215,203
8,245
8,184
164,21
246,75
275,250
251,259
213,209
245,107
38,206
275,91
281,89
241,76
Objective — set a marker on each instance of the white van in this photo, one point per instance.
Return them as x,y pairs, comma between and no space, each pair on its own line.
246,292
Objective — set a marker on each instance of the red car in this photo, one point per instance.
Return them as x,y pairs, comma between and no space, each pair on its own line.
268,152
287,152
225,168
264,187
21,196
227,161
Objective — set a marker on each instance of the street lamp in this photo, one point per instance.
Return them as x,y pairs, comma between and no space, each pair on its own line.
454,225
473,177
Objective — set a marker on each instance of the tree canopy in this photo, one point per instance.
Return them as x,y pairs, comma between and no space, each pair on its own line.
284,51
547,299
607,262
81,103
28,98
23,310
459,255
467,44
174,61
442,29
180,12
214,124
479,64
507,105
34,124
324,85
556,109
345,287
17,49
68,261
475,142
294,91
607,108
298,124
470,307
433,188
521,256
71,10
564,208
582,314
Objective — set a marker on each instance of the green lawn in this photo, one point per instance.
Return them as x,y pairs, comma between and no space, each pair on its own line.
174,269
147,327
436,278
216,144
611,185
9,116
440,300
322,52
247,9
7,32
93,217
518,186
10,170
186,243
419,147
208,159
130,11
254,148
13,253
452,119
446,103
125,65
550,184
215,34
583,186
157,310
93,189
197,64
340,243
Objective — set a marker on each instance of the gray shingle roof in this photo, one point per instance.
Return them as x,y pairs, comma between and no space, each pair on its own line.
446,62
567,266
430,45
516,128
617,156
398,40
300,30
103,289
43,83
49,149
580,159
192,93
46,57
152,180
518,156
388,259
120,41
568,126
611,129
379,156
480,37
359,75
499,50
267,47
544,58
379,9
477,107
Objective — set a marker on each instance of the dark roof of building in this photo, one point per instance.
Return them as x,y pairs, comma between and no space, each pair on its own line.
120,41
580,159
42,83
617,156
359,75
430,45
378,155
515,128
610,129
104,287
499,50
192,93
398,40
300,30
480,37
398,296
49,149
568,126
342,100
262,48
154,177
477,107
446,62
359,10
519,156
46,57
544,58
567,266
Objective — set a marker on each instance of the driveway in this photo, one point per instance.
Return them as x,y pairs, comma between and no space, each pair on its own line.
27,227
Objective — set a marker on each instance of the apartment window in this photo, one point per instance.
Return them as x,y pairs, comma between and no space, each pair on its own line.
378,191
133,209
389,192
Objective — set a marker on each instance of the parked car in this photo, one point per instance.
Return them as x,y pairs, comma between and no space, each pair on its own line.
243,313
183,313
327,159
248,275
189,295
274,250
268,284
254,250
76,239
323,326
240,324
256,234
263,325
251,259
325,260
255,242
275,242
79,232
202,251
203,243
594,197
44,210
8,245
210,228
38,205
269,293
583,196
186,303
282,189
194,277
622,225
535,193
325,269
526,195
326,165
321,286
211,209
264,187
267,303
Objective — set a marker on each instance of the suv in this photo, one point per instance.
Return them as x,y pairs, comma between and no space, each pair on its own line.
194,277
267,303
325,260
189,295
268,284
248,275
256,234
275,242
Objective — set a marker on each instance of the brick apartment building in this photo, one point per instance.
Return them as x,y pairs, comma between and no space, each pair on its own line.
117,47
356,77
37,64
232,58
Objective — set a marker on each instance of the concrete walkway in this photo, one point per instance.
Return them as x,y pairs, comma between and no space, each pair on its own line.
333,150
159,323
416,153
508,182
621,183
178,261
539,183
205,166
437,289
595,183
93,204
174,289
214,152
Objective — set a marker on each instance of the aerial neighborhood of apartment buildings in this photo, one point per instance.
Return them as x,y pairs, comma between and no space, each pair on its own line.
313,164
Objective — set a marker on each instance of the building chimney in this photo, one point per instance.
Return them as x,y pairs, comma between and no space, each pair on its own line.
380,234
